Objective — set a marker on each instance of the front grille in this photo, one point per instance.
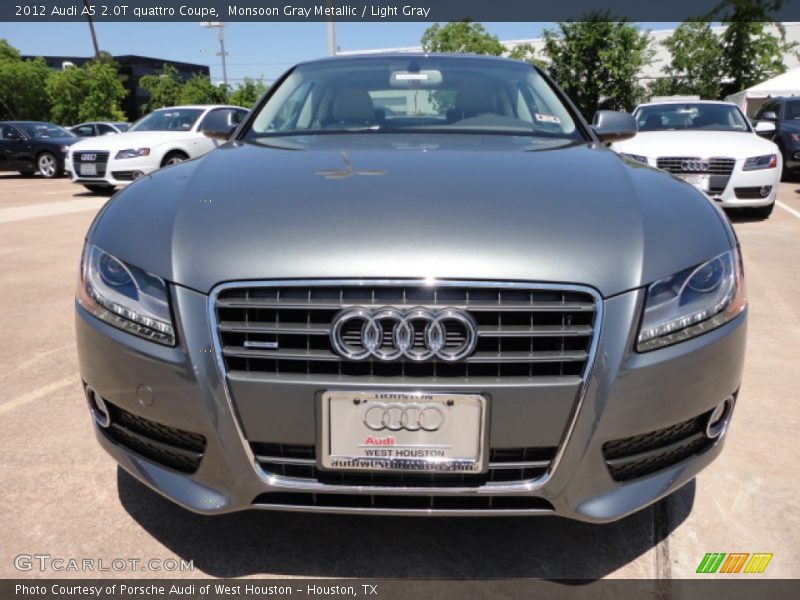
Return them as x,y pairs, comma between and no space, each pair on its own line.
716,166
100,161
169,446
409,503
505,465
752,193
523,333
648,453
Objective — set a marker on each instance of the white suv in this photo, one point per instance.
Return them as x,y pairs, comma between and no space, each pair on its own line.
166,136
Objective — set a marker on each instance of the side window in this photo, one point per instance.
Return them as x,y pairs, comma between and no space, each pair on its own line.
767,107
103,129
7,132
219,119
239,116
84,131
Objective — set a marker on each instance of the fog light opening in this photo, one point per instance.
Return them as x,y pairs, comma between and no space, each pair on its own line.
98,408
137,174
765,190
719,419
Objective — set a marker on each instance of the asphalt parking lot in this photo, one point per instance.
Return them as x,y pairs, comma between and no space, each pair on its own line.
63,496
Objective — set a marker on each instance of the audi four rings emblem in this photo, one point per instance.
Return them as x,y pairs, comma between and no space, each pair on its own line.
88,157
411,417
695,165
417,334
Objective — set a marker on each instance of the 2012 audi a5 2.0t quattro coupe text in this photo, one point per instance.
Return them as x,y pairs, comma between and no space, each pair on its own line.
413,284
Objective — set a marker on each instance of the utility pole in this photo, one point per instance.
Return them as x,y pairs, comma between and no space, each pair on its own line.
331,32
220,27
91,28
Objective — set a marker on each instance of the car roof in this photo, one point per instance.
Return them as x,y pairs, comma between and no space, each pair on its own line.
661,102
199,106
384,55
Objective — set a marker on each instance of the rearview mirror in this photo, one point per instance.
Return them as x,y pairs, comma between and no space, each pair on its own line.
613,126
214,133
768,116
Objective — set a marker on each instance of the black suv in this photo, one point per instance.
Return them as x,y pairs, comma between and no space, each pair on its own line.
785,114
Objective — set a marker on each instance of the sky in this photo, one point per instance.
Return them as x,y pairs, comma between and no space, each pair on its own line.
254,49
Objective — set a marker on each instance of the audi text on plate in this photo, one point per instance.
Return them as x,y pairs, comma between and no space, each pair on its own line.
414,285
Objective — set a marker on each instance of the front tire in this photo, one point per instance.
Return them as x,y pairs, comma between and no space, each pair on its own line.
47,165
173,158
762,212
99,188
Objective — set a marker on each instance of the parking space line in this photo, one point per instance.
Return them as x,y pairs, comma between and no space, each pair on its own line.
32,211
787,208
38,393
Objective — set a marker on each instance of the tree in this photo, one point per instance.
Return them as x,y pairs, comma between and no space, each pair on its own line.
248,92
104,91
88,93
462,36
696,66
198,89
527,53
22,86
751,51
597,62
163,88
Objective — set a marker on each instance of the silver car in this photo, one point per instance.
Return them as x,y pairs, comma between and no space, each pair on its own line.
416,285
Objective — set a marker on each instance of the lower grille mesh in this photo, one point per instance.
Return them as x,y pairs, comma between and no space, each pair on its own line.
169,446
648,453
299,461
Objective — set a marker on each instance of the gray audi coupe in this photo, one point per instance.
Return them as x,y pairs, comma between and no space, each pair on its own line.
416,285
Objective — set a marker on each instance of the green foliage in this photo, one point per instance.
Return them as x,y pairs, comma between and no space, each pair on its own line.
751,51
597,62
88,93
163,88
198,89
527,53
247,92
22,86
696,67
462,36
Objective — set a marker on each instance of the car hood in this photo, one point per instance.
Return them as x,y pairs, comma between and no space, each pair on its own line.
705,144
409,206
130,139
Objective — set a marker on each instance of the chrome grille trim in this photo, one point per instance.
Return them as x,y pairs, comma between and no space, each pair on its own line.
524,331
717,165
278,483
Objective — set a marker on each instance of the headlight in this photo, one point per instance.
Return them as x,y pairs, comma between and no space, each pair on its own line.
768,161
636,157
133,153
125,296
692,302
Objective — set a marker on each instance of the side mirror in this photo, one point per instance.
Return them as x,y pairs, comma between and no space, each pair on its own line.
613,126
219,134
765,127
768,116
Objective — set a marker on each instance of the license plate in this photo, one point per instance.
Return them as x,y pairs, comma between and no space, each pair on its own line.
399,431
699,181
87,169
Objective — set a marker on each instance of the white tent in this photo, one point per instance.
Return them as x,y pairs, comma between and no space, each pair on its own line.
749,100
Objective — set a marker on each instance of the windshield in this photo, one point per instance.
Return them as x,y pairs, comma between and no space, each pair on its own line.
710,117
40,131
433,93
168,119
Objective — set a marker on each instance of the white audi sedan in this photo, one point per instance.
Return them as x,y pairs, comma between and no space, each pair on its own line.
164,137
712,146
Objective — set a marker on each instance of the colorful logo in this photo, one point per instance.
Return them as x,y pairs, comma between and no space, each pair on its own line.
735,562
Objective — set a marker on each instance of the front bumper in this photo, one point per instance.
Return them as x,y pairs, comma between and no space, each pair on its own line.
116,172
625,394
